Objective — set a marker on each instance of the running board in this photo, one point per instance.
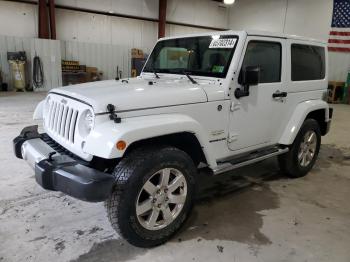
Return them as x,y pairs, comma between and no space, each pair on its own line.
228,166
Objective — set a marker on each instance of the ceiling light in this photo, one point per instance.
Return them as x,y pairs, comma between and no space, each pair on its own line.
229,2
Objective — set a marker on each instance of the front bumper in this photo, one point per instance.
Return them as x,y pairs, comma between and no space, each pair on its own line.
57,172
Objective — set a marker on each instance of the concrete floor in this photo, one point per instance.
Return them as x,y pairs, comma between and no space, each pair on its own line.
258,215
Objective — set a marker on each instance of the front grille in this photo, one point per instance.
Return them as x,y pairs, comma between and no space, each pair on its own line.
62,120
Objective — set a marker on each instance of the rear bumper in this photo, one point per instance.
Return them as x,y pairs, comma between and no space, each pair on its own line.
60,172
328,127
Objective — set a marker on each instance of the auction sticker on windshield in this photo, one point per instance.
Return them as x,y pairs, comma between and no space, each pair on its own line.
223,43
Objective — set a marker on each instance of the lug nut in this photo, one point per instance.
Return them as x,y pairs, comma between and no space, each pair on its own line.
154,200
165,190
166,199
159,205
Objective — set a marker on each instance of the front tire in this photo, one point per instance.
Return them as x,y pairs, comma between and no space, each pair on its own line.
153,195
304,151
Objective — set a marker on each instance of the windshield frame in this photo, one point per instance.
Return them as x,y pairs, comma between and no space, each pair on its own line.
177,71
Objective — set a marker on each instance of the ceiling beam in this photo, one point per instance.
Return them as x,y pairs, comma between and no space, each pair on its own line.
162,18
52,19
91,11
43,20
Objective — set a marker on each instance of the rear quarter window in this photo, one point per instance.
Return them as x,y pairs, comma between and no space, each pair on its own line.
308,62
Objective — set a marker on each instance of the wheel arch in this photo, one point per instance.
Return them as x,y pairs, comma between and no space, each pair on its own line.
320,116
177,130
185,141
315,109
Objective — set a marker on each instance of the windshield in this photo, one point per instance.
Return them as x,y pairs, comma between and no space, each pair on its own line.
202,56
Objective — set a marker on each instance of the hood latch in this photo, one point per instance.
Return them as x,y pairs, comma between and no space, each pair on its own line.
112,115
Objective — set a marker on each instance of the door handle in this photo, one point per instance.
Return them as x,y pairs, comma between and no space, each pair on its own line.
279,94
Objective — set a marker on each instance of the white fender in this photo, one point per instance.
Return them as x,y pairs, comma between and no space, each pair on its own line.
39,111
298,117
102,140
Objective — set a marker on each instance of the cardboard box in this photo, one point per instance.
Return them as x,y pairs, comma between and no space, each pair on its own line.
136,53
91,70
93,74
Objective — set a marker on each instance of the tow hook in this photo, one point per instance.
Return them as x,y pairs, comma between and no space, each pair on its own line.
112,115
51,155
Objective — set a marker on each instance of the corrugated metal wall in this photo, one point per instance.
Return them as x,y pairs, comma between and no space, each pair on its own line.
105,57
48,50
50,55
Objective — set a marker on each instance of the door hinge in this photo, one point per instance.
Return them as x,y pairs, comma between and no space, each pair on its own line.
235,106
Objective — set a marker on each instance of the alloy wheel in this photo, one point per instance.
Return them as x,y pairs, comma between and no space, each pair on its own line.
307,148
161,199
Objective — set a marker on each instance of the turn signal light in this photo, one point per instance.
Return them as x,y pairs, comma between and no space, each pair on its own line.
121,145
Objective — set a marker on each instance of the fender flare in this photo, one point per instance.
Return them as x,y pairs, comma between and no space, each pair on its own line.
102,140
298,117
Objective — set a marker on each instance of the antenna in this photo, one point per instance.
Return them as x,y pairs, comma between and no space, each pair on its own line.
285,17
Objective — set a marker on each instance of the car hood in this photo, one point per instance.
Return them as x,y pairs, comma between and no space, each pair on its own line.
134,94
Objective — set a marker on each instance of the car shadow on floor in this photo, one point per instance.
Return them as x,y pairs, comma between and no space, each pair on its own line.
228,205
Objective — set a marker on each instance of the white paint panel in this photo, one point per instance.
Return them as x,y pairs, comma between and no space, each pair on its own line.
85,27
265,15
198,12
310,18
18,19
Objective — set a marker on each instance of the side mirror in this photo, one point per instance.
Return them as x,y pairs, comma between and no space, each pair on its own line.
250,77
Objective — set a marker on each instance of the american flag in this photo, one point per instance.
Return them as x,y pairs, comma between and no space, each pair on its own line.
339,36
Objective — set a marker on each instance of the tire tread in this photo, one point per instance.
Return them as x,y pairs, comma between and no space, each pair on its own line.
122,173
286,161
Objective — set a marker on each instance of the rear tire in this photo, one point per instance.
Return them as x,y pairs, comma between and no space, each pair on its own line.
141,194
303,152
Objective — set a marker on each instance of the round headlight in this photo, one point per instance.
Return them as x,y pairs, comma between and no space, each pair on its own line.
86,123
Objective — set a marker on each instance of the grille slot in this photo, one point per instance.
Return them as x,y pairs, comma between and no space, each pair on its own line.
72,125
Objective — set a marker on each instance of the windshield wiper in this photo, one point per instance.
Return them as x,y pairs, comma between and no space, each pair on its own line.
155,73
189,77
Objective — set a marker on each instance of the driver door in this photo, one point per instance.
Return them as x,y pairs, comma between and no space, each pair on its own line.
255,119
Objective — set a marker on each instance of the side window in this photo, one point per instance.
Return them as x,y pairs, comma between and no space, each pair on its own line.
308,62
266,55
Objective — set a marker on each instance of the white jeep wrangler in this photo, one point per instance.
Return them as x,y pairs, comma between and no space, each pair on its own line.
217,100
